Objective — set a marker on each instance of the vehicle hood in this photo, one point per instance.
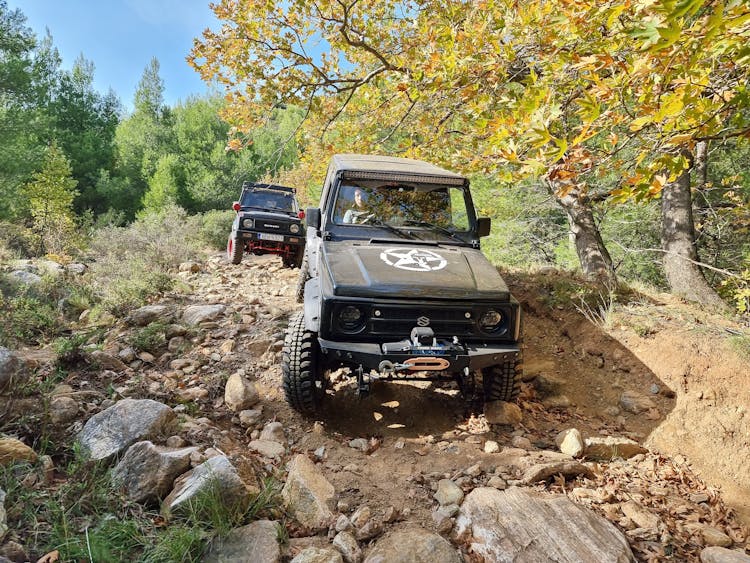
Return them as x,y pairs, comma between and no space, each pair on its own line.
363,269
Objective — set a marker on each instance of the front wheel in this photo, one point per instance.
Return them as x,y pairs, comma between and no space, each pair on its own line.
502,382
301,369
235,250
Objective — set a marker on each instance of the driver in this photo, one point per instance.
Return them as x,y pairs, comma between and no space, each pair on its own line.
359,213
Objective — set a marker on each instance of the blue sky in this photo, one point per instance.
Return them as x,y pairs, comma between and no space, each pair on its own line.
121,36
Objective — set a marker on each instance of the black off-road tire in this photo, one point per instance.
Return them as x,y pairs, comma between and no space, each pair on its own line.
502,382
302,373
304,275
235,250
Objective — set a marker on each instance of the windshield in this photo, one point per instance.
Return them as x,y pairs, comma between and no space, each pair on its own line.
268,199
423,210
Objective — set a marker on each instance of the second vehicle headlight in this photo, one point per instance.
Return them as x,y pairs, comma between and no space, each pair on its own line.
294,228
247,223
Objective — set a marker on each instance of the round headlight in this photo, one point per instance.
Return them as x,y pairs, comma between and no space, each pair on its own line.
351,318
294,228
247,223
490,321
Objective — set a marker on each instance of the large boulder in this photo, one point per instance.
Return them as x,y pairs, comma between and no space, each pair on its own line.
12,369
128,421
216,476
150,313
258,541
147,472
307,494
413,545
517,525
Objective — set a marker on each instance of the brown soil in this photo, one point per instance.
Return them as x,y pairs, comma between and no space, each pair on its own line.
576,372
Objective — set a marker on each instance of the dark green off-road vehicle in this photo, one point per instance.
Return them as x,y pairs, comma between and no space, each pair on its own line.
268,221
395,287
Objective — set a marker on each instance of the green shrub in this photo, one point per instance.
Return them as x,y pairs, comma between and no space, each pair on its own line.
215,228
149,338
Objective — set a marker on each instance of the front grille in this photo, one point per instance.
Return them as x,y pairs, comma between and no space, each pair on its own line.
271,226
398,321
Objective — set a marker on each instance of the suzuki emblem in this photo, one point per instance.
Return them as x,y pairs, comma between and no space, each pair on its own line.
423,321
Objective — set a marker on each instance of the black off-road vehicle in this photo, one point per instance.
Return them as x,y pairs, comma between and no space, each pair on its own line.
268,221
395,286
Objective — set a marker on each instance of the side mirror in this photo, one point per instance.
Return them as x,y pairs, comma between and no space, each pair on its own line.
483,226
313,217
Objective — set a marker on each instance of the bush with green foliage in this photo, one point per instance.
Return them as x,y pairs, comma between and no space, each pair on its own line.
215,228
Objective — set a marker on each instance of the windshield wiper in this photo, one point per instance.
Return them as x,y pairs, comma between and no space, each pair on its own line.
434,227
380,223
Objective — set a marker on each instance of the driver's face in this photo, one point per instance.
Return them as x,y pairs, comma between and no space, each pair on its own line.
358,198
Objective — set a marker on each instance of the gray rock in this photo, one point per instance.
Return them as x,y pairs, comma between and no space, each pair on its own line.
25,278
12,370
3,516
267,448
342,523
318,555
196,314
570,442
348,547
516,525
76,268
307,494
127,355
240,393
250,417
611,447
448,493
413,545
273,431
147,472
500,412
636,403
215,476
150,313
258,541
723,555
360,444
62,409
126,422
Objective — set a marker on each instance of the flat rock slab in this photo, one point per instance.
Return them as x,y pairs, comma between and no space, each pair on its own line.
515,525
318,555
196,314
413,545
258,541
543,471
611,447
126,422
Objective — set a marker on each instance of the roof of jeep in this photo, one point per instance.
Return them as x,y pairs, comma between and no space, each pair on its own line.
376,163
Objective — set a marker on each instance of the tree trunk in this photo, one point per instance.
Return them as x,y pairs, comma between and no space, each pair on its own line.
584,233
678,241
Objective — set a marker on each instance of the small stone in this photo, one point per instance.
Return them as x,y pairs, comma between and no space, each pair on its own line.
500,412
448,493
642,517
654,389
522,443
698,498
267,448
347,545
342,523
570,442
318,428
497,483
250,417
557,402
491,447
273,431
723,555
361,516
636,403
176,442
390,514
715,537
360,444
473,471
371,529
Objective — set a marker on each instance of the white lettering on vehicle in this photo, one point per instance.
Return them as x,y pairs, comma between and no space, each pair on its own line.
414,260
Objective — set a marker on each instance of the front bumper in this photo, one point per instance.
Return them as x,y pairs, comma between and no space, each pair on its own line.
272,239
404,358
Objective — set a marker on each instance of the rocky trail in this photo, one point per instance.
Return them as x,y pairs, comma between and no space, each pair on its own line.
626,444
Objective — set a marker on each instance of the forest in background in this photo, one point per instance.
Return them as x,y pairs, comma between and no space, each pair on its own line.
572,175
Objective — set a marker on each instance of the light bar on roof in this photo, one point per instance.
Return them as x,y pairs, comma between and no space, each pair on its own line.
397,177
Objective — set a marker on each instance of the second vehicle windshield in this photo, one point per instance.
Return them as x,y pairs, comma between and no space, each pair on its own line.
437,209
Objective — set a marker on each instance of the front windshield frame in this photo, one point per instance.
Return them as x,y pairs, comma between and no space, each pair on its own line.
267,198
423,211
